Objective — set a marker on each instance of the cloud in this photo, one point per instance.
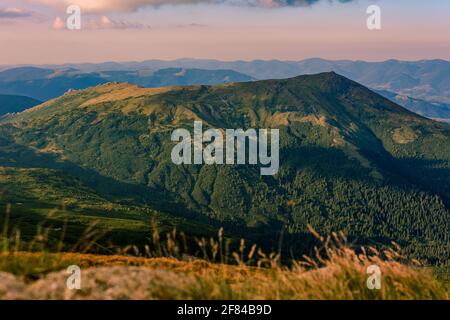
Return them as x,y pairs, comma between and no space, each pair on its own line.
58,24
100,6
191,25
103,22
107,23
12,13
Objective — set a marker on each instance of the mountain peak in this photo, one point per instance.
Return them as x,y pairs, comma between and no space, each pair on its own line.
325,82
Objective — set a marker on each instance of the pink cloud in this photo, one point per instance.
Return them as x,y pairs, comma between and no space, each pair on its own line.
58,24
102,22
12,13
101,6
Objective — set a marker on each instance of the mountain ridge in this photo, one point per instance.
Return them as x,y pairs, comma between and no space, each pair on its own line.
349,158
425,84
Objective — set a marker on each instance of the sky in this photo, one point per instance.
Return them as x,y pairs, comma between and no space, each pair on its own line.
35,32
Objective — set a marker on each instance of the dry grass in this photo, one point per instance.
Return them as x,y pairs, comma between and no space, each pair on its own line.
342,277
335,272
121,91
166,269
404,135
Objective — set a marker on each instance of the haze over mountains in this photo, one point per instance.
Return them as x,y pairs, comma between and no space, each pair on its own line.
432,110
14,103
421,86
45,84
349,160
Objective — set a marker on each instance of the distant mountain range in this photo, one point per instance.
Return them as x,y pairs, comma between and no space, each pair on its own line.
350,160
421,86
13,103
433,110
45,84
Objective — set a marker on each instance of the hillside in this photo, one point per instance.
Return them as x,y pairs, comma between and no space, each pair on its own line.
349,159
13,103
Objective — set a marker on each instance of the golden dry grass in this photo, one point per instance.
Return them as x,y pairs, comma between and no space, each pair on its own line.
120,91
337,273
404,135
165,270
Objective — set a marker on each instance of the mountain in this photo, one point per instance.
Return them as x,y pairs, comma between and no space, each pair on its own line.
425,81
24,74
175,77
434,110
45,84
349,160
13,103
418,79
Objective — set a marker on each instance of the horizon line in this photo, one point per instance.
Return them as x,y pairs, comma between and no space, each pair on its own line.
224,60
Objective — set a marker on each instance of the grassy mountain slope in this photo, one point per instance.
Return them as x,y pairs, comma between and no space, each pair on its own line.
350,159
